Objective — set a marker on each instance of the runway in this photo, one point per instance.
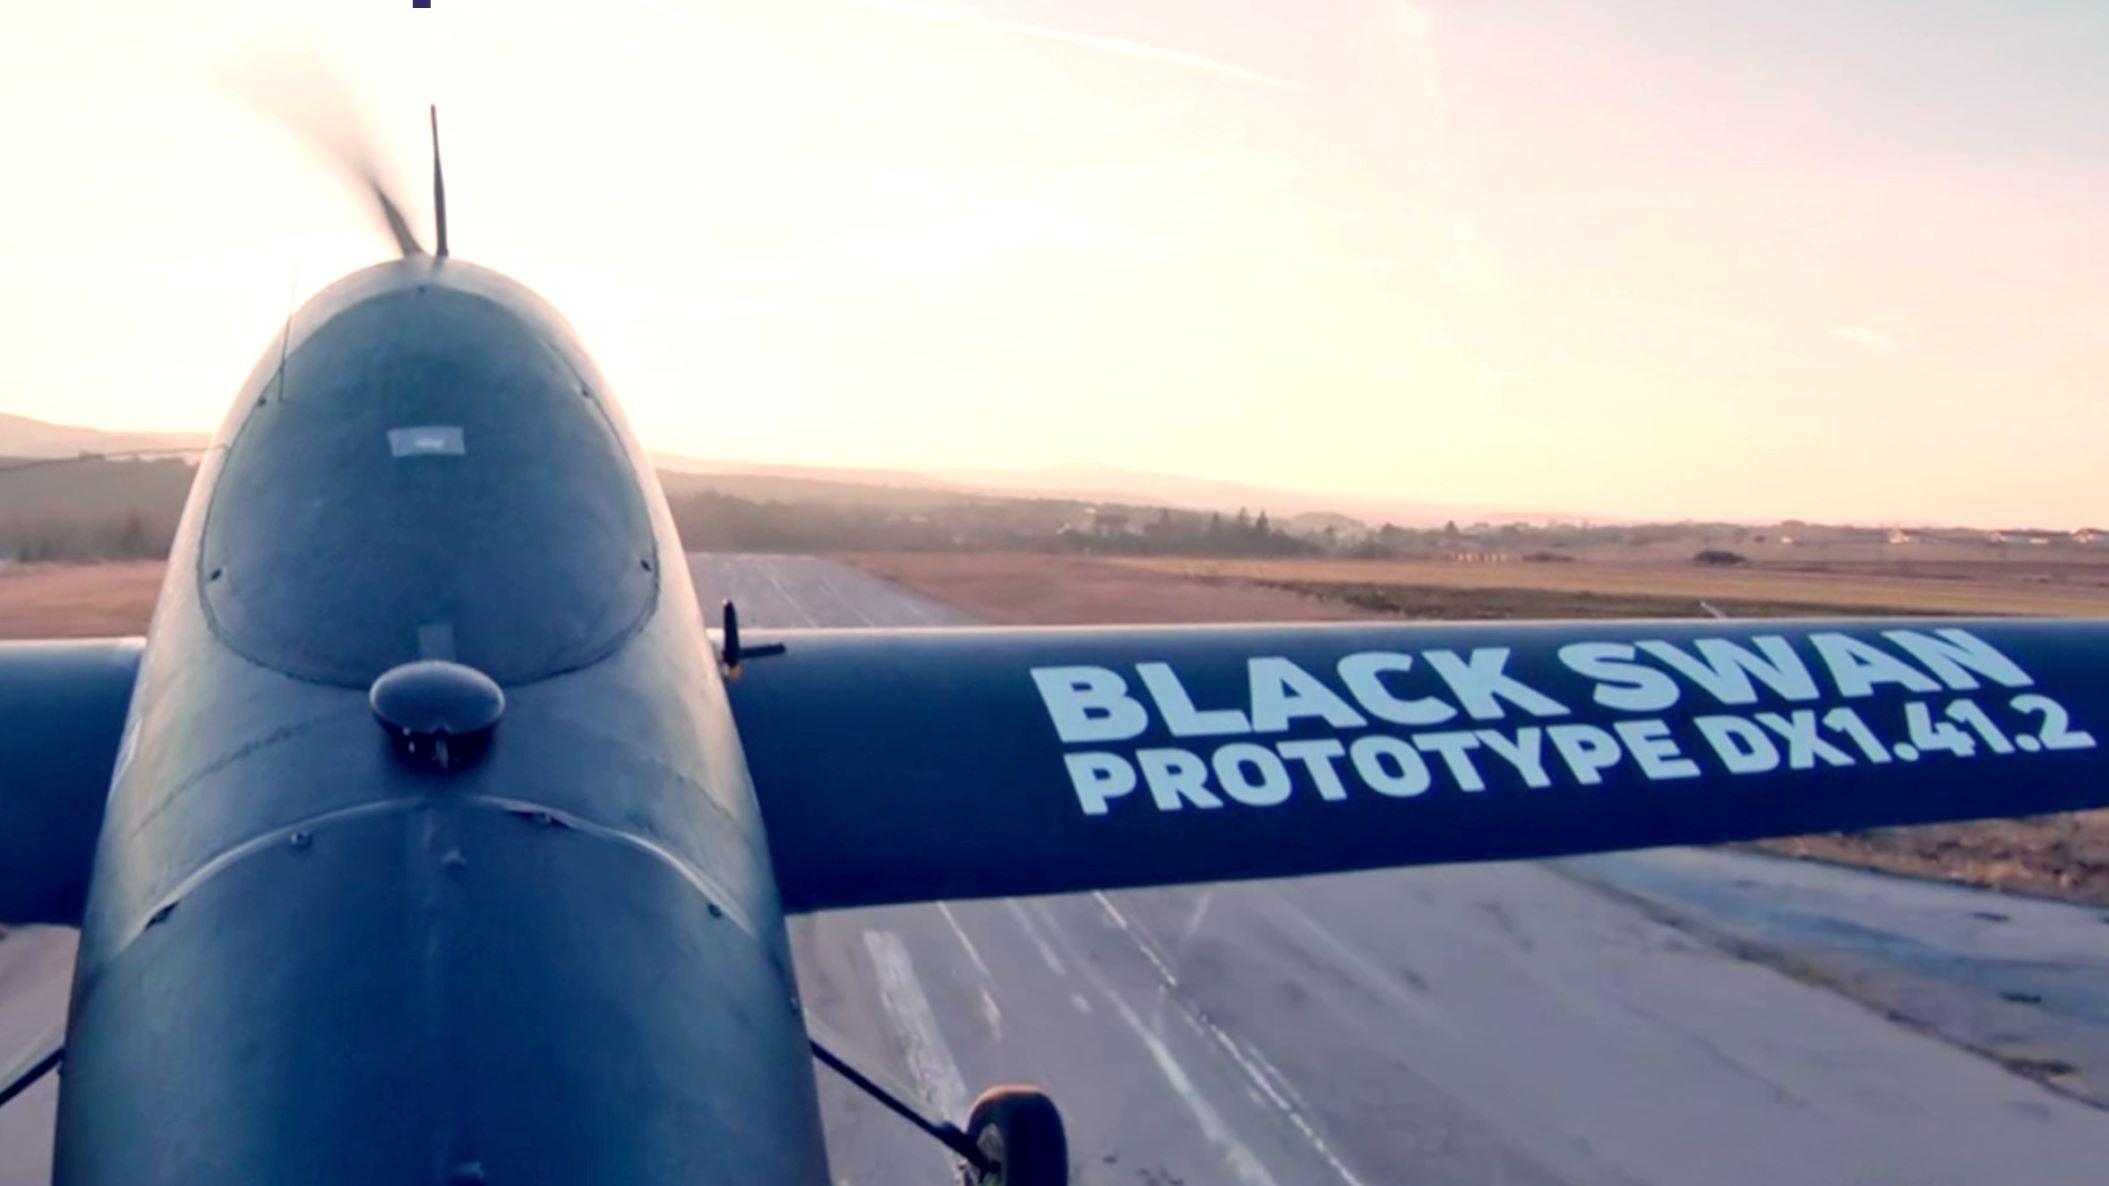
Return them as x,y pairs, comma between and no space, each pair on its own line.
1671,1017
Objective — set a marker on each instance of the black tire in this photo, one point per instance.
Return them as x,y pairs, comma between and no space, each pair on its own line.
1020,1131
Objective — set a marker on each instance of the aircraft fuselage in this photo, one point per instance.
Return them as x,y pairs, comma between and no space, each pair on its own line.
307,960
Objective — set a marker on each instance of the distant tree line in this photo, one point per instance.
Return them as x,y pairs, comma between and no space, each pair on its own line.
109,509
1165,532
714,521
709,520
52,536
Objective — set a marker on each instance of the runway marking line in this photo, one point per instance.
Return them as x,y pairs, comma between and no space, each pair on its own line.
930,1061
1039,941
991,1015
980,965
1244,1165
1289,1111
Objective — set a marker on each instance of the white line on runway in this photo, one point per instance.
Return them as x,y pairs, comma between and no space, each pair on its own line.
1281,1081
851,605
930,1061
1193,921
1148,949
1032,932
991,1015
1289,1111
980,965
1243,1163
796,607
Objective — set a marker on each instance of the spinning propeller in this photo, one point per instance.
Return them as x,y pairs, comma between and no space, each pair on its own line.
304,96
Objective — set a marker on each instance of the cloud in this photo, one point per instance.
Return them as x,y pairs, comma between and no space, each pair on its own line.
1865,337
1120,46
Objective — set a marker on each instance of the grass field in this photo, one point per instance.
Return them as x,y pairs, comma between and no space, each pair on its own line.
77,600
1041,590
1677,589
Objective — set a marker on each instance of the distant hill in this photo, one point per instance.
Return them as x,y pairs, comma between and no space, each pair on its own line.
818,487
863,477
155,486
21,436
56,504
1110,484
1106,482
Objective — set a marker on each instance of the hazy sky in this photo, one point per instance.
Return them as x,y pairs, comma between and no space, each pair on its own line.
1745,258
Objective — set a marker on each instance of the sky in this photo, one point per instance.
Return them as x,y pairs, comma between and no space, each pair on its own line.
1747,259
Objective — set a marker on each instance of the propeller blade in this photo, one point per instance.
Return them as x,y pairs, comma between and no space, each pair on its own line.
302,94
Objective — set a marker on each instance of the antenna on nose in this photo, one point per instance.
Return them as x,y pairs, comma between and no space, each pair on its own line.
439,187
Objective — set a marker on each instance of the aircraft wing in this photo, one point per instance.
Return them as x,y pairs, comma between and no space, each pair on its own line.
62,713
906,765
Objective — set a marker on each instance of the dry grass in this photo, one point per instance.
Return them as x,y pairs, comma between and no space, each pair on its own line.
2050,856
1860,589
78,600
1039,590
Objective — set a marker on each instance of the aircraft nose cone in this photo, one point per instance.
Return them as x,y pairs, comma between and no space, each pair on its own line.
438,714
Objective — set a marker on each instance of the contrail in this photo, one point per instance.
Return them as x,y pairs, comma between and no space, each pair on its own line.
1122,46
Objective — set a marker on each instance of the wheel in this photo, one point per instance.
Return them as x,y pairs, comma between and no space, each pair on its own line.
1019,1130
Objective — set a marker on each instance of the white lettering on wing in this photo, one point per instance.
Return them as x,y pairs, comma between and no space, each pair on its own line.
1283,693
1099,778
1090,704
1176,778
1856,666
1177,708
1480,683
1724,668
1363,674
1295,732
1956,657
1620,682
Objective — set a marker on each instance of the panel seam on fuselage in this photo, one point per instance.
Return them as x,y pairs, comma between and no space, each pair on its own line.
714,894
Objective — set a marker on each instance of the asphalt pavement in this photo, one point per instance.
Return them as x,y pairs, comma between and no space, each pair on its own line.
1669,1017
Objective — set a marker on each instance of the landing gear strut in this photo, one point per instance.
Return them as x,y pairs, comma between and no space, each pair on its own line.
1013,1137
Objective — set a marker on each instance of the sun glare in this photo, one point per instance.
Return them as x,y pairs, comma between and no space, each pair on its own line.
1534,261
